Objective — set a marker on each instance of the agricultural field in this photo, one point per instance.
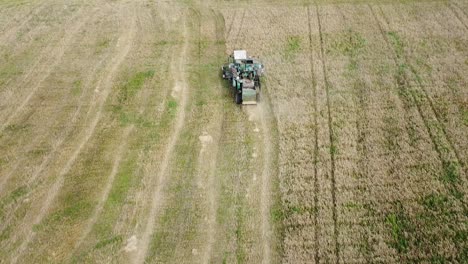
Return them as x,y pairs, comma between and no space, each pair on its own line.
121,143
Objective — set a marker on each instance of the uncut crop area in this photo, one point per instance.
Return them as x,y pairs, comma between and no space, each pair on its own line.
121,143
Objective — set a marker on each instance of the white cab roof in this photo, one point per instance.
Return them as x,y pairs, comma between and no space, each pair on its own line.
240,55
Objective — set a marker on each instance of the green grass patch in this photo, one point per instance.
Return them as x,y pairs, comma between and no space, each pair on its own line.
296,209
18,193
438,259
333,150
183,213
172,106
398,224
75,210
133,85
465,116
13,197
122,184
76,87
293,44
435,202
450,172
352,66
401,74
103,243
397,43
350,43
102,45
277,214
126,92
353,205
103,230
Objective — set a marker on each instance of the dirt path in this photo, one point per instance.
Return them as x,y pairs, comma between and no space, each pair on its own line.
180,92
104,87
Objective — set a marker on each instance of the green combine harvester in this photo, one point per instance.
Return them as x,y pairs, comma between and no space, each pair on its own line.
244,74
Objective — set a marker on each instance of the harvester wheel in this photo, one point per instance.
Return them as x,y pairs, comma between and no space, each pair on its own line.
238,98
258,97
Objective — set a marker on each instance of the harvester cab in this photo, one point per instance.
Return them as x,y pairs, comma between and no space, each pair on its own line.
244,73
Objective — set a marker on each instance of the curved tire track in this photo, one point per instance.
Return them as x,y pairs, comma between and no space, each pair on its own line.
29,182
51,64
59,139
125,41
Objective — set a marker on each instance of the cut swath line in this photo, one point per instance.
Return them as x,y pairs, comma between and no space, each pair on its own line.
107,188
45,53
125,41
316,149
59,141
361,104
59,50
57,57
156,198
332,140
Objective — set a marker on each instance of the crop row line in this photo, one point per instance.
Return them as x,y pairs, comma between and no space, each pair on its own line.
434,110
403,85
360,96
